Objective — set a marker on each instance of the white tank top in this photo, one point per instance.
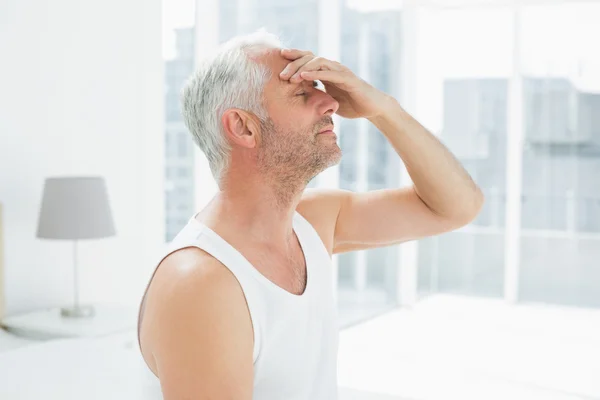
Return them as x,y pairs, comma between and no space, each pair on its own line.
296,336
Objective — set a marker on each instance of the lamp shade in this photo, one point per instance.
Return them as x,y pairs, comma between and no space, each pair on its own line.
75,208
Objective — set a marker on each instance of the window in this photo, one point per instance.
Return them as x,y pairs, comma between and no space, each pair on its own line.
464,94
532,144
560,245
464,101
178,55
183,172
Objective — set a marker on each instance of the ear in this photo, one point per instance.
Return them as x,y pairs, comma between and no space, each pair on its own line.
240,127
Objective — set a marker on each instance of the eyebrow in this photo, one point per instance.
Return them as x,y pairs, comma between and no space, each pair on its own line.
289,87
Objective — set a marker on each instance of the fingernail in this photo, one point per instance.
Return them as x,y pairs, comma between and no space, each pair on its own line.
295,76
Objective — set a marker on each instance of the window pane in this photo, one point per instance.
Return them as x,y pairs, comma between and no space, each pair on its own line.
178,54
561,157
462,98
348,164
347,270
368,283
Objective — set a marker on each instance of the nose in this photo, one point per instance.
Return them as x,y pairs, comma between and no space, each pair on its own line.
328,105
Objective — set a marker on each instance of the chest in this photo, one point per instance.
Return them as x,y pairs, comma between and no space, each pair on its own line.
288,271
298,345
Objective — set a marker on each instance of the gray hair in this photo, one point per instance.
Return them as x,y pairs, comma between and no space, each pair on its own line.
230,79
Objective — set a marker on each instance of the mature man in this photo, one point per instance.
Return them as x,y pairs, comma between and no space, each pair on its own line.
241,306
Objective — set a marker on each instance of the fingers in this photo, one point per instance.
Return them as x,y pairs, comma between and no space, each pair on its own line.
292,54
316,64
304,62
293,67
325,76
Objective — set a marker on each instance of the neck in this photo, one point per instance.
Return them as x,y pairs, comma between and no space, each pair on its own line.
262,208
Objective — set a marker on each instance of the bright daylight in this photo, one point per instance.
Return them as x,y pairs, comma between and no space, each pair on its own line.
300,200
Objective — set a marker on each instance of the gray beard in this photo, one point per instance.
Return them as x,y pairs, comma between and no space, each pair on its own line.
290,165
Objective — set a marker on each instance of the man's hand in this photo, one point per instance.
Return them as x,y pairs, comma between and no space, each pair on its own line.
356,97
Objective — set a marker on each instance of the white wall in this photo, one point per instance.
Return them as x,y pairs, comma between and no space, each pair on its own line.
81,92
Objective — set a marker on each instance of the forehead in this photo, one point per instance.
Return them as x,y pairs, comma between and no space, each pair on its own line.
276,63
274,60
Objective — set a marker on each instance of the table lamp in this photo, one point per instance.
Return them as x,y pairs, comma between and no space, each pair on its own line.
75,208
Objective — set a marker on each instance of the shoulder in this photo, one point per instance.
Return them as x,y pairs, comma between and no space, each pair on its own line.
185,270
321,207
189,285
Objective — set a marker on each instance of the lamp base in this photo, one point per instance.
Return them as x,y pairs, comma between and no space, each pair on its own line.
77,312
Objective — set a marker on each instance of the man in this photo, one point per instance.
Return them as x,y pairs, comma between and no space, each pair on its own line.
242,304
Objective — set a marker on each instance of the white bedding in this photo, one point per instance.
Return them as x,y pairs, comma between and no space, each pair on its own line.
68,369
9,341
108,368
445,348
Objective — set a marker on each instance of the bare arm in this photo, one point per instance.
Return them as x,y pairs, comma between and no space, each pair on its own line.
349,221
202,338
443,196
438,177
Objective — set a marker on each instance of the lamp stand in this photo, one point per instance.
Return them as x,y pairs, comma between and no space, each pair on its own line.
77,310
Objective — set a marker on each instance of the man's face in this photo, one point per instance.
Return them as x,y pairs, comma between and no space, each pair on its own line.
291,144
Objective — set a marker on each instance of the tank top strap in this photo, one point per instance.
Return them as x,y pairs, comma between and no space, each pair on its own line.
236,263
311,236
197,235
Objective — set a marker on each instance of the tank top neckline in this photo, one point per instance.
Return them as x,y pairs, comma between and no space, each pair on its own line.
303,244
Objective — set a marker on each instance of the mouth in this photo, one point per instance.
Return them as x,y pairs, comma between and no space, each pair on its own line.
327,130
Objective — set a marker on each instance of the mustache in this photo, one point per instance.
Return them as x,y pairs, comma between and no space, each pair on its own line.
323,123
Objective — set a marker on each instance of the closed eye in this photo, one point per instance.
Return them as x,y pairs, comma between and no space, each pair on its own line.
315,84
